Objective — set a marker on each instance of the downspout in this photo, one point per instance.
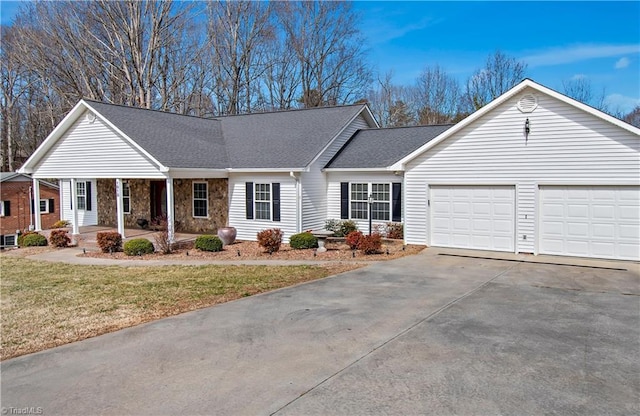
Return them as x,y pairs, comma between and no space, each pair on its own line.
298,202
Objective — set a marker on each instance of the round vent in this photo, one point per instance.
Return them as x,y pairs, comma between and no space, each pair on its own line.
527,103
90,117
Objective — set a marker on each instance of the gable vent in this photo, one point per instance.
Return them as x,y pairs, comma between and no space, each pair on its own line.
90,117
527,103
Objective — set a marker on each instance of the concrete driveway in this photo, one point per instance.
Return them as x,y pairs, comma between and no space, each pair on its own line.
435,333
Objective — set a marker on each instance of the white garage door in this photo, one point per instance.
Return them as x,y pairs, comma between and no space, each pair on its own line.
590,221
477,217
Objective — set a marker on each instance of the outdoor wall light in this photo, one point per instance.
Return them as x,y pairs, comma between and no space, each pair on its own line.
527,128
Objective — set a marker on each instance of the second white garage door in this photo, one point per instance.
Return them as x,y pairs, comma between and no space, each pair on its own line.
590,221
476,217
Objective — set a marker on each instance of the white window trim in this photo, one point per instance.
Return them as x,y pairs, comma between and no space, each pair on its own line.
84,195
2,209
46,206
193,199
269,201
366,200
125,185
15,240
369,193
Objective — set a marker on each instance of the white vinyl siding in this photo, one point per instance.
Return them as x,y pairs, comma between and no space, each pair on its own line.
248,229
590,221
475,217
565,146
333,193
95,150
314,182
84,217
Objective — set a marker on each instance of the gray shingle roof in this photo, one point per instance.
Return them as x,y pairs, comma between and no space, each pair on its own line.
285,139
174,140
380,148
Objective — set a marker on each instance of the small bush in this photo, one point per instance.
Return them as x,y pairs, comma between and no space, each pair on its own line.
208,242
109,241
60,224
395,230
371,244
22,236
270,239
33,240
138,247
353,239
59,238
303,240
340,228
162,238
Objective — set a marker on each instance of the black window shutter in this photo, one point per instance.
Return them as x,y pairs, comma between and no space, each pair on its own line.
249,197
276,201
1,240
7,208
344,200
88,196
52,207
397,202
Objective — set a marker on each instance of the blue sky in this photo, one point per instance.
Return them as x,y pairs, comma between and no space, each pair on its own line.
558,40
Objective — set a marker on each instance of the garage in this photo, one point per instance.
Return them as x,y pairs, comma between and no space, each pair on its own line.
474,217
590,221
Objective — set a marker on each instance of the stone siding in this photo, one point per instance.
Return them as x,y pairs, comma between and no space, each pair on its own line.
183,193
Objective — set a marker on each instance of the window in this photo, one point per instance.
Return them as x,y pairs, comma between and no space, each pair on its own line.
44,205
3,208
263,201
381,207
200,200
81,195
126,198
359,201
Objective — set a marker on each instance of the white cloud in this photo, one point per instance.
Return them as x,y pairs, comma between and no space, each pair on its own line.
577,77
622,63
621,103
570,54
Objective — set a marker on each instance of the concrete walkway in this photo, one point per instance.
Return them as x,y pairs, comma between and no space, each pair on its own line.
433,333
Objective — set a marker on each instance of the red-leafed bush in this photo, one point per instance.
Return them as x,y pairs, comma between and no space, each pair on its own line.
109,241
353,239
370,244
59,238
270,239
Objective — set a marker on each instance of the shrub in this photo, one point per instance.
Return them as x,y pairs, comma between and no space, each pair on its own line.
22,236
353,239
208,242
395,230
303,240
371,244
59,238
33,240
109,241
270,239
138,247
340,228
162,239
60,224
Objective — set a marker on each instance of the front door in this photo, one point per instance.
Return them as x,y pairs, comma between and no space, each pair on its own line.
158,201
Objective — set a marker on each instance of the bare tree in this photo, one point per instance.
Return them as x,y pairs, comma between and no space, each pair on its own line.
580,89
391,104
633,117
438,96
499,74
329,50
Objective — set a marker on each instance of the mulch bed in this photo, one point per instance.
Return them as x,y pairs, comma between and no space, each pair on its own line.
250,250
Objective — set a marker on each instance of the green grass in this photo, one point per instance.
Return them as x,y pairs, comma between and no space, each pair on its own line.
45,304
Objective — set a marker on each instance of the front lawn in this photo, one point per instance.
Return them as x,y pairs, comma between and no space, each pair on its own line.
43,304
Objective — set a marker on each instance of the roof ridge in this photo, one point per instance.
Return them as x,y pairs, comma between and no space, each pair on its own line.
221,116
409,127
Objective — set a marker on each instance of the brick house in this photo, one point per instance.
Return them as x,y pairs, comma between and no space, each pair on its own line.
16,213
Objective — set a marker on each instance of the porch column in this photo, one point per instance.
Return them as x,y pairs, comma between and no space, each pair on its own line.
36,205
74,208
170,211
119,207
